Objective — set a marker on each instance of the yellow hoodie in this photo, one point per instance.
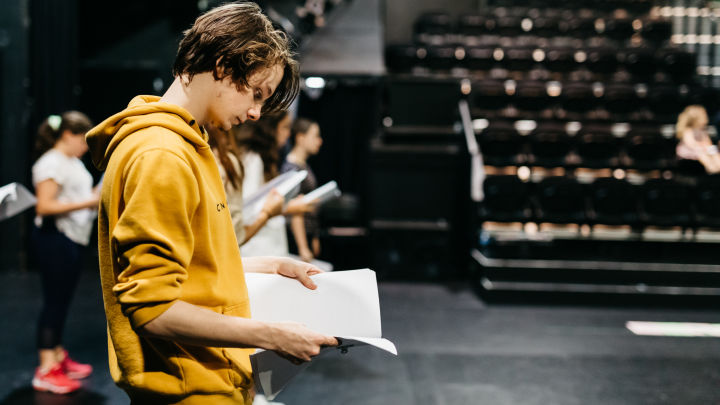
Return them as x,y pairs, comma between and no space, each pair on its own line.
165,234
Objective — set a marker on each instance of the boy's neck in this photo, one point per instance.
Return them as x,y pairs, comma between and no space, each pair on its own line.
189,95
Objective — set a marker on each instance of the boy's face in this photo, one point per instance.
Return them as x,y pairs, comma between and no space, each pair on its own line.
233,107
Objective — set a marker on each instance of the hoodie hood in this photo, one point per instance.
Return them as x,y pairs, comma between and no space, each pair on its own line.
141,113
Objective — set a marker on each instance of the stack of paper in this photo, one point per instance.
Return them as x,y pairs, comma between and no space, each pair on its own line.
323,193
287,184
345,305
14,198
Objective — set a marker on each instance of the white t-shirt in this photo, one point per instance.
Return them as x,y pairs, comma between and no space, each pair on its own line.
271,239
75,185
234,196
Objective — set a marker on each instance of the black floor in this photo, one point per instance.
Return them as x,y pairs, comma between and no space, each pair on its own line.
454,349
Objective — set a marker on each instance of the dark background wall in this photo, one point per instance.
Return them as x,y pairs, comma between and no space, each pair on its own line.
14,104
95,56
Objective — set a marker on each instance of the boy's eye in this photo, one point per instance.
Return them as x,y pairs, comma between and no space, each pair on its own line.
258,94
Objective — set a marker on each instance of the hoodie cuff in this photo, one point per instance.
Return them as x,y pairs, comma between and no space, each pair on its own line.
142,315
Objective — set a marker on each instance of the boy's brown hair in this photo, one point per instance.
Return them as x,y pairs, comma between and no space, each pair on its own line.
238,40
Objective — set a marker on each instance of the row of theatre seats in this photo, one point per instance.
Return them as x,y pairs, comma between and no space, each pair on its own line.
520,39
587,145
605,200
568,57
614,23
614,100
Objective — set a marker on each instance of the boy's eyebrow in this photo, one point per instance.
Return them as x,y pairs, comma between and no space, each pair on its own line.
268,92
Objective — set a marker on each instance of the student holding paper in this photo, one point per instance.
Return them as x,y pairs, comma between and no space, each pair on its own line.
172,277
259,143
66,208
305,228
232,174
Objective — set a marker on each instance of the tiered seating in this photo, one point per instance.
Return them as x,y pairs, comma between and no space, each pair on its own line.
656,202
573,144
573,107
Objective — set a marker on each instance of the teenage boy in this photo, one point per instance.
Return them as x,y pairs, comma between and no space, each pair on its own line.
173,281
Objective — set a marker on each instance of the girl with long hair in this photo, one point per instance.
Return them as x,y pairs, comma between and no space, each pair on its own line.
305,229
259,143
232,173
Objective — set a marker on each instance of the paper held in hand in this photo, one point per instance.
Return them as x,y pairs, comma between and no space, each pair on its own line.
323,193
287,184
14,198
345,305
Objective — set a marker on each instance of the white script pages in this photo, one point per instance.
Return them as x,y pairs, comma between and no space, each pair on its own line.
287,184
323,193
14,199
345,305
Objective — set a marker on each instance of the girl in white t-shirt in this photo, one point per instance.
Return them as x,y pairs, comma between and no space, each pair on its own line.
66,210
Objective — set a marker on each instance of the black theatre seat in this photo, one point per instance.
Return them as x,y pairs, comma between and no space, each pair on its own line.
442,57
648,149
501,145
619,29
404,57
550,144
613,202
489,95
507,199
707,201
560,200
433,23
656,30
666,100
480,58
597,147
678,63
474,24
620,98
665,202
531,95
578,97
602,59
640,61
560,59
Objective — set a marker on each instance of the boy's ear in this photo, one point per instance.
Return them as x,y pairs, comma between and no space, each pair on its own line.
219,69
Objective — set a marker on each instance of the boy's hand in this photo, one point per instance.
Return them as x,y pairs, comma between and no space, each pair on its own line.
298,270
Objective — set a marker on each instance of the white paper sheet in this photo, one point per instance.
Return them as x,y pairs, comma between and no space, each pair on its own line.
287,184
345,304
323,193
14,198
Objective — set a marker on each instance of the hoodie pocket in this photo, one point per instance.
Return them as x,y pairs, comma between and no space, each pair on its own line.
240,371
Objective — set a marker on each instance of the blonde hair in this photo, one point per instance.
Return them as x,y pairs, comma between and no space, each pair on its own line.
689,119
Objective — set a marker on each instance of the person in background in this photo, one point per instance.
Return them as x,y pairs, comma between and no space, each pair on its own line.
694,143
305,229
259,144
232,174
66,209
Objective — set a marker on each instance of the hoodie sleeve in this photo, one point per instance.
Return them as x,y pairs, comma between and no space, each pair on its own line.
153,239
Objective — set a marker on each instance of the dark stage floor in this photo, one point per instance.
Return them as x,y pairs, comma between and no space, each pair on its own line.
454,349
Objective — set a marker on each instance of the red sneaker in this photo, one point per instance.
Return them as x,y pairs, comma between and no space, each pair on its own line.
55,381
75,370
